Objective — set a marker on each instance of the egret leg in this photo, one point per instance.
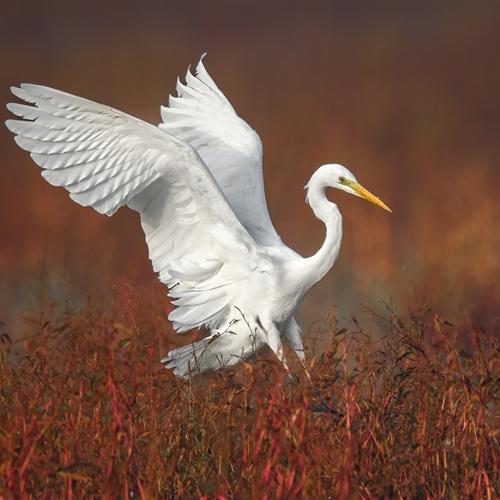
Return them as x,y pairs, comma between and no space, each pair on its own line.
293,334
274,342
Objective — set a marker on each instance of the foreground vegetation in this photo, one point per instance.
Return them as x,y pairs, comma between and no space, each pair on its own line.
86,411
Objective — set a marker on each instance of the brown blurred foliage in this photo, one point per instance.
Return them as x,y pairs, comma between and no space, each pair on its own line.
404,94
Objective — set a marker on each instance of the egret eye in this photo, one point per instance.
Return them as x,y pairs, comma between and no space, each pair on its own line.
341,179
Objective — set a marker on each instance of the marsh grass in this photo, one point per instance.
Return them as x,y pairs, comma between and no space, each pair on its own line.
86,411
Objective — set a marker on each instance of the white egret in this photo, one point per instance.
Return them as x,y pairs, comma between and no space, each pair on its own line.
196,181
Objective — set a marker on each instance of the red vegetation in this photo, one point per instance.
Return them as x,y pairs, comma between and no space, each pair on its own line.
87,412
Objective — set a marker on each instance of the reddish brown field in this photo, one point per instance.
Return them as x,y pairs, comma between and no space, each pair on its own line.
406,96
87,412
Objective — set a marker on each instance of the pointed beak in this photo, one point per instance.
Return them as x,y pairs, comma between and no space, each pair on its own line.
364,193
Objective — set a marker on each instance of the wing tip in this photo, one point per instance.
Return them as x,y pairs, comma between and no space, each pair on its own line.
18,91
11,123
200,62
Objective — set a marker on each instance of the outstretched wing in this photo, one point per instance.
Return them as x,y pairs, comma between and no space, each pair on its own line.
202,116
107,159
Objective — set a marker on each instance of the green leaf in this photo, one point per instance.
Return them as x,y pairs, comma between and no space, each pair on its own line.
124,343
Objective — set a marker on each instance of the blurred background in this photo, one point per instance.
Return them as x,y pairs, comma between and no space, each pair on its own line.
406,95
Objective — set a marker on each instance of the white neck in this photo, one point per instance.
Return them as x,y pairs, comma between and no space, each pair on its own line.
315,267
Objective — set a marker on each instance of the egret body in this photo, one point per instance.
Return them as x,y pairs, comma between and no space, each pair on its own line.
196,181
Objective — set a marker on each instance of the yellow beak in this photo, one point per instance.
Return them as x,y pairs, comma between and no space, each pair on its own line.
364,193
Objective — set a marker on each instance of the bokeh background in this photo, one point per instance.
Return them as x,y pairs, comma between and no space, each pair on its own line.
405,94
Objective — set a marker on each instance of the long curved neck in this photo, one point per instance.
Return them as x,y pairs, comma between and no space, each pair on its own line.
315,267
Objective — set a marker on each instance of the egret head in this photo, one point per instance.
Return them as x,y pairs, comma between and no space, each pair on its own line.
339,177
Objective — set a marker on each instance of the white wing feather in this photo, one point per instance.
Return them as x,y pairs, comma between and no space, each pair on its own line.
107,159
202,116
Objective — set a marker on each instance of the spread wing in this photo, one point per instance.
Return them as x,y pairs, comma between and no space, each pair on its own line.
107,159
202,116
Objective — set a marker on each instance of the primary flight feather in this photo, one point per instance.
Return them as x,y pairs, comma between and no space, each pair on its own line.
196,181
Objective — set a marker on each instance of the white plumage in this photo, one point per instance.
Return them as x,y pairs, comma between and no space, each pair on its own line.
196,181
